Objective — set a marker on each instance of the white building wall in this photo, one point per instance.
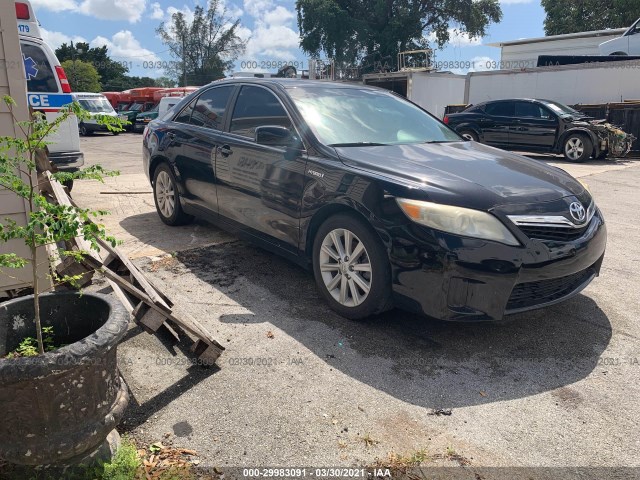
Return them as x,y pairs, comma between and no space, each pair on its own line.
570,84
434,91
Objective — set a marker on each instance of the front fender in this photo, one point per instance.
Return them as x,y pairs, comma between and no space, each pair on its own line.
594,138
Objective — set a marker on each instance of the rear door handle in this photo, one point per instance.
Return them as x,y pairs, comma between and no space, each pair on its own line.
225,150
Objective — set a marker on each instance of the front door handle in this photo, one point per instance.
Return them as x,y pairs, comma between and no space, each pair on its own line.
225,150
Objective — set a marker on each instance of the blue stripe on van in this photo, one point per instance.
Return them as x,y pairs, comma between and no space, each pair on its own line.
49,100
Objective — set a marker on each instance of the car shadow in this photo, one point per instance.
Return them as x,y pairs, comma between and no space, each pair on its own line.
415,359
149,229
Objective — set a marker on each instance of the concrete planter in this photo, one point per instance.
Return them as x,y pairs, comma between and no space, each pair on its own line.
59,407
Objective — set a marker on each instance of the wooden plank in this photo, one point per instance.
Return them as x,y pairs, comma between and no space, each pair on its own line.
144,283
193,328
148,318
207,353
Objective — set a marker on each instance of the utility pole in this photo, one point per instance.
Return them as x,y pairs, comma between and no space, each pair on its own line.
184,61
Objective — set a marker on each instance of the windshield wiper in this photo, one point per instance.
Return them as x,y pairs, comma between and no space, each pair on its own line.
442,141
358,144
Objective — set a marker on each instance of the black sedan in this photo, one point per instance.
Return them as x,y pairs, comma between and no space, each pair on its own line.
386,204
531,126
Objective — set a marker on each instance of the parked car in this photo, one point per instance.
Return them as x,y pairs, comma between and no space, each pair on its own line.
97,105
143,119
538,126
385,203
627,44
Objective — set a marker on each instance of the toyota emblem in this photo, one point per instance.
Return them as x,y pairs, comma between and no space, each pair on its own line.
578,212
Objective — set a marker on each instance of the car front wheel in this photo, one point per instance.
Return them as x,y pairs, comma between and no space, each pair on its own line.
351,267
577,148
469,135
165,194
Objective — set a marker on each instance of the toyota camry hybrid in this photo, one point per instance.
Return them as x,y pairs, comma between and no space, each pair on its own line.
383,202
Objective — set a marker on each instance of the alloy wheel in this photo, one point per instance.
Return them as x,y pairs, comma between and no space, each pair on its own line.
165,194
345,267
574,148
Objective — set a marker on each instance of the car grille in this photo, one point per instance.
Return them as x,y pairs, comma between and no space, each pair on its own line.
530,294
558,234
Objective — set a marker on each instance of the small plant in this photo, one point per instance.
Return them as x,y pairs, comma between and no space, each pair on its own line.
47,223
126,464
29,346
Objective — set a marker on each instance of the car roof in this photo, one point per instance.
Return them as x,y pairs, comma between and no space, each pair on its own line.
293,83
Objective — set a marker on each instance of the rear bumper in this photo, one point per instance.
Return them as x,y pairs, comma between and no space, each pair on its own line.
463,279
67,161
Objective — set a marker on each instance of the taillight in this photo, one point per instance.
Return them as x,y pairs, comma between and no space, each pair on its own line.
446,120
22,11
64,83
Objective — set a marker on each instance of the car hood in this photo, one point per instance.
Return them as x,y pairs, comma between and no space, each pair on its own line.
465,173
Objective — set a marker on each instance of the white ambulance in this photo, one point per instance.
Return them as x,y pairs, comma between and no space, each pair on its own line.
48,89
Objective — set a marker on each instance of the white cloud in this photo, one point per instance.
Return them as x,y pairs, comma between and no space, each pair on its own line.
130,10
278,16
124,46
54,5
272,37
232,10
55,39
257,8
186,11
156,11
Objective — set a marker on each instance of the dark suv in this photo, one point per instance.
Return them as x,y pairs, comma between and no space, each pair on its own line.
385,203
532,126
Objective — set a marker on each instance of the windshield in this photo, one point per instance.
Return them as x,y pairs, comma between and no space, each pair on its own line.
96,105
562,109
135,107
353,116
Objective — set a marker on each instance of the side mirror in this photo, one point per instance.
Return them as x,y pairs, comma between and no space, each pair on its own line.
275,136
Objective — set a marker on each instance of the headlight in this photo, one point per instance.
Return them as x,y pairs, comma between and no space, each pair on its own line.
457,220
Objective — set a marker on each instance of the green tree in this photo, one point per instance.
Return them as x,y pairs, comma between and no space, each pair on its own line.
111,72
83,77
349,30
570,16
203,49
165,82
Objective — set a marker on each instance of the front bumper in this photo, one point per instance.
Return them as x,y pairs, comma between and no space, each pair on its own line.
463,279
67,161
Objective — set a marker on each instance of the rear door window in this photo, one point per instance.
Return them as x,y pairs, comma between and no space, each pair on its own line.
211,107
500,109
257,107
39,72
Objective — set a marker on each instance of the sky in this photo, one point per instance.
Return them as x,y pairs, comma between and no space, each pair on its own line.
127,28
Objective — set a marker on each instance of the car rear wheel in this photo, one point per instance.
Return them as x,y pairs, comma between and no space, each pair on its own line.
351,267
165,194
469,135
577,148
83,130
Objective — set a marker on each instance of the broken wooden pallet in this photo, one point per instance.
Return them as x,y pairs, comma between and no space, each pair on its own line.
146,303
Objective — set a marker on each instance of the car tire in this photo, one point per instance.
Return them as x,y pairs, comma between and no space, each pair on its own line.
577,148
468,135
115,134
355,287
166,198
83,130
